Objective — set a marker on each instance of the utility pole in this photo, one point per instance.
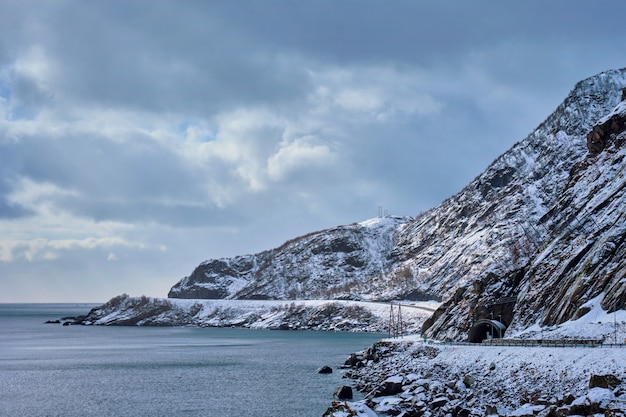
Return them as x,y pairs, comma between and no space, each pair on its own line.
400,324
392,324
615,320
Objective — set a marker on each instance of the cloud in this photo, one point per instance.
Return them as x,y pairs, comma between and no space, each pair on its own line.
297,156
380,93
41,249
157,135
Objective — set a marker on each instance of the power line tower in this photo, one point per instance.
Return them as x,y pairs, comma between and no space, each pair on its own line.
396,327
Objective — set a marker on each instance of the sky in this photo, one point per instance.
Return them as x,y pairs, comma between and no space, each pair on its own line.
140,138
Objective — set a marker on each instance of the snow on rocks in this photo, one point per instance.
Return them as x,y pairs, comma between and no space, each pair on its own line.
328,315
473,380
341,262
348,409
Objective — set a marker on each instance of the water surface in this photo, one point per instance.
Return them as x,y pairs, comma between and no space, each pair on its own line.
55,370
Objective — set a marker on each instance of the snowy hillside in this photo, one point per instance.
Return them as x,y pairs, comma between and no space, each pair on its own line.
540,233
540,227
337,315
334,263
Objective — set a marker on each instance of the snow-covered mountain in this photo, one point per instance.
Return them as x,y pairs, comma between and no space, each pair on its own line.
334,263
532,240
540,232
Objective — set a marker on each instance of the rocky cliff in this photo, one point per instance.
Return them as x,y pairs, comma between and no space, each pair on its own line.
545,231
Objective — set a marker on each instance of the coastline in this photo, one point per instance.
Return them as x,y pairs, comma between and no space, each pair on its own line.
413,378
410,377
322,315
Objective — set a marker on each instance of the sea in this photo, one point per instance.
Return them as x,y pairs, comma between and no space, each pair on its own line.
56,370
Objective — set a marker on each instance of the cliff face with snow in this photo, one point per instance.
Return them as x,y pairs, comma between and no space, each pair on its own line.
541,232
532,240
334,263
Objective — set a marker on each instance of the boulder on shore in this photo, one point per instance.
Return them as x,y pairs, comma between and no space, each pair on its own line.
343,392
604,381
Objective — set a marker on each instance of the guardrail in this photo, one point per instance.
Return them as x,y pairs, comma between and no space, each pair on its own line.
543,343
565,343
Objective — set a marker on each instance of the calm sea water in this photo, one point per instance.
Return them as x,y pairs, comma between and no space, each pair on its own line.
54,370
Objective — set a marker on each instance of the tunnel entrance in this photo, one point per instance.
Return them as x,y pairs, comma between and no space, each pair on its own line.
486,329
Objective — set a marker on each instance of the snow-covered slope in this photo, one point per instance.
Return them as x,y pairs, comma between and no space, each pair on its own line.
539,233
323,315
334,263
413,377
410,378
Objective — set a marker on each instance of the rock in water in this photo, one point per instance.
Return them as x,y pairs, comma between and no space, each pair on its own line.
343,392
325,370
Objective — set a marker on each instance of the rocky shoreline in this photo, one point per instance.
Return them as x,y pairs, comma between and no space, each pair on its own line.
319,315
410,378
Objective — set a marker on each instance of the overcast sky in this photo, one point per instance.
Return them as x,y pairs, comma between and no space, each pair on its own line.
139,138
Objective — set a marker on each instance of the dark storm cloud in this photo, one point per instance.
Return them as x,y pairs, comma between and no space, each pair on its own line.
166,56
207,56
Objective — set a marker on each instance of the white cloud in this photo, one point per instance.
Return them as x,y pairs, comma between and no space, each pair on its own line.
51,230
39,249
377,92
244,140
35,196
302,154
34,63
360,100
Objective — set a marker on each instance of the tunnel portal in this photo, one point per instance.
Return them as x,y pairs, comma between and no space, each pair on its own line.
486,329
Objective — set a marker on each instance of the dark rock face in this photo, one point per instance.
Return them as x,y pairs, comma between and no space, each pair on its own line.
604,381
210,280
389,387
325,370
339,408
343,392
607,129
